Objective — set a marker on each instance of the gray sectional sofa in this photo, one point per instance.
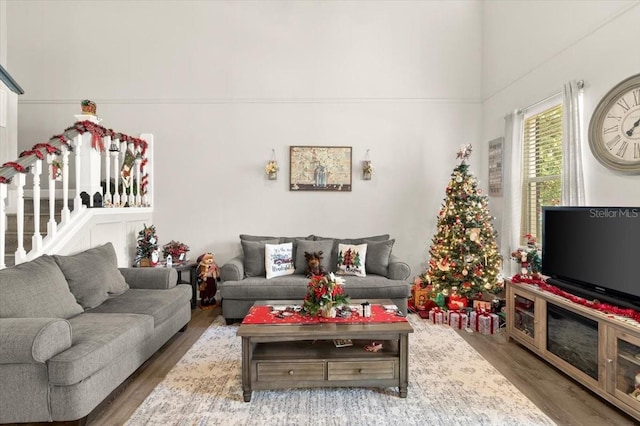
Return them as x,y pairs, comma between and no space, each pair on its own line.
73,328
244,281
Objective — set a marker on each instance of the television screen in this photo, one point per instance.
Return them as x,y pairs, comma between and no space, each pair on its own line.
595,248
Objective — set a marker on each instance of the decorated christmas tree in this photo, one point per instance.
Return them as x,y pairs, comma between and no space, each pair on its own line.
147,247
464,255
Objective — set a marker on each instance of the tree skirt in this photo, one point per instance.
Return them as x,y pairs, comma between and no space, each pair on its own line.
449,384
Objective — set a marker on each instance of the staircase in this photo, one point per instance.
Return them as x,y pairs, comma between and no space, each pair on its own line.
71,169
11,234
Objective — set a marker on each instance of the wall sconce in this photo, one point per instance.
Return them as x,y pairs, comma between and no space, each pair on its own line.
367,167
271,169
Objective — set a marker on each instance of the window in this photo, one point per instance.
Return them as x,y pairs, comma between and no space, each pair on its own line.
541,166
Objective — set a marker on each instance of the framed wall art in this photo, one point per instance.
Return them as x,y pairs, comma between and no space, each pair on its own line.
320,168
495,167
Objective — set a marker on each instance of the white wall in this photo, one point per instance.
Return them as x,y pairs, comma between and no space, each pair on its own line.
220,84
525,61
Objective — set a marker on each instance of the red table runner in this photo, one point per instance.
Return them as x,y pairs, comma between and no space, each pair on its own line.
266,315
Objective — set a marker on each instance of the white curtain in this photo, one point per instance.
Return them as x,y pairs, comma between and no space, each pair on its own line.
512,190
572,136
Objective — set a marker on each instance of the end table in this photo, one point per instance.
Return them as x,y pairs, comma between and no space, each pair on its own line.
189,266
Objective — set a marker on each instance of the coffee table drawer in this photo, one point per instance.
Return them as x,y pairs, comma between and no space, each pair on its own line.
290,371
362,370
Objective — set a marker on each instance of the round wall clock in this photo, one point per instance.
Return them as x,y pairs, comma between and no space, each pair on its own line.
614,130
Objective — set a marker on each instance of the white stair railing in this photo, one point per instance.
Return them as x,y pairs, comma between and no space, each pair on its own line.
79,176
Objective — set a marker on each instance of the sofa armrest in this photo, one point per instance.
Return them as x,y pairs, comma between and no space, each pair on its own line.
398,270
150,278
233,270
32,340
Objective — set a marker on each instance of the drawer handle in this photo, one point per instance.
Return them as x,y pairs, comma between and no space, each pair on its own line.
291,372
361,371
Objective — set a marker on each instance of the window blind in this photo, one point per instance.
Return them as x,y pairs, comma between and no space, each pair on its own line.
541,166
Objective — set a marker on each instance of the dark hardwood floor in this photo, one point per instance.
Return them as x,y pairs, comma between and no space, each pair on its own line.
562,399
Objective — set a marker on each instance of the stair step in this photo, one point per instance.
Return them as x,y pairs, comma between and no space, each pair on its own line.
11,241
29,221
44,205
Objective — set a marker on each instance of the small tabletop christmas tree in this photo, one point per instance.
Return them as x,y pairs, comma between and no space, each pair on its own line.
147,248
464,254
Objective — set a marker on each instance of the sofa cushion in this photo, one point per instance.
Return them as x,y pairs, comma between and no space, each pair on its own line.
36,289
325,246
254,256
97,340
92,275
295,287
278,259
255,288
378,256
159,304
351,259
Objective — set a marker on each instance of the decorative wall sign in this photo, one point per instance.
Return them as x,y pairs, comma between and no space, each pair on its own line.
495,167
320,168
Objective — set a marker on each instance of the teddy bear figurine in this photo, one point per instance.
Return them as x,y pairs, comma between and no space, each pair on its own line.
635,393
208,277
314,264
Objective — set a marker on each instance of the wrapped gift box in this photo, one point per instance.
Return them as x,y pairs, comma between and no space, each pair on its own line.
484,322
436,316
457,302
420,296
458,319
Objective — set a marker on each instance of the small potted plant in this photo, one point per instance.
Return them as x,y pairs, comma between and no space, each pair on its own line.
88,107
175,249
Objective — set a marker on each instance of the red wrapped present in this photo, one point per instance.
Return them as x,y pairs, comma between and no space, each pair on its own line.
457,302
458,319
436,316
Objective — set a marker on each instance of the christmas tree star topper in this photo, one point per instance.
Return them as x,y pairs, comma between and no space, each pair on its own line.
465,152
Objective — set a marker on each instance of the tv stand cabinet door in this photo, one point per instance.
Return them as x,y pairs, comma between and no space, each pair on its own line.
623,366
525,319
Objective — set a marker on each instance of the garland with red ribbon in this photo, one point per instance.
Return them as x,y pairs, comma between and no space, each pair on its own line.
35,152
63,140
595,304
16,166
48,147
97,132
19,168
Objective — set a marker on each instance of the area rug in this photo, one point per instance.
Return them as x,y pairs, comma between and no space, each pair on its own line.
449,384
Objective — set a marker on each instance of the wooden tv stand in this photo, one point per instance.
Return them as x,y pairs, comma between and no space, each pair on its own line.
531,316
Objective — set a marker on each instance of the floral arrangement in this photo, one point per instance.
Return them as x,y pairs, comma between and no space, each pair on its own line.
271,167
323,293
529,257
175,249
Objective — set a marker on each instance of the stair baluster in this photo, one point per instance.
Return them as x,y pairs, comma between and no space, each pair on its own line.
36,238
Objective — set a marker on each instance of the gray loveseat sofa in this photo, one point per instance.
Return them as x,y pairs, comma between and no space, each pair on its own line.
73,328
244,280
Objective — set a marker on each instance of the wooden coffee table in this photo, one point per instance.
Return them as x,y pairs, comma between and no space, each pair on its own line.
304,355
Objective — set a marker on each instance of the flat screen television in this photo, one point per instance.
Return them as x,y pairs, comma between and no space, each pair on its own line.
593,252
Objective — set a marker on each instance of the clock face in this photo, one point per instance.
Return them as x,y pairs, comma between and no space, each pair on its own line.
614,131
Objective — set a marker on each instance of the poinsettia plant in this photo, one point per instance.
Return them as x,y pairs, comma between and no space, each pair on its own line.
324,291
175,249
